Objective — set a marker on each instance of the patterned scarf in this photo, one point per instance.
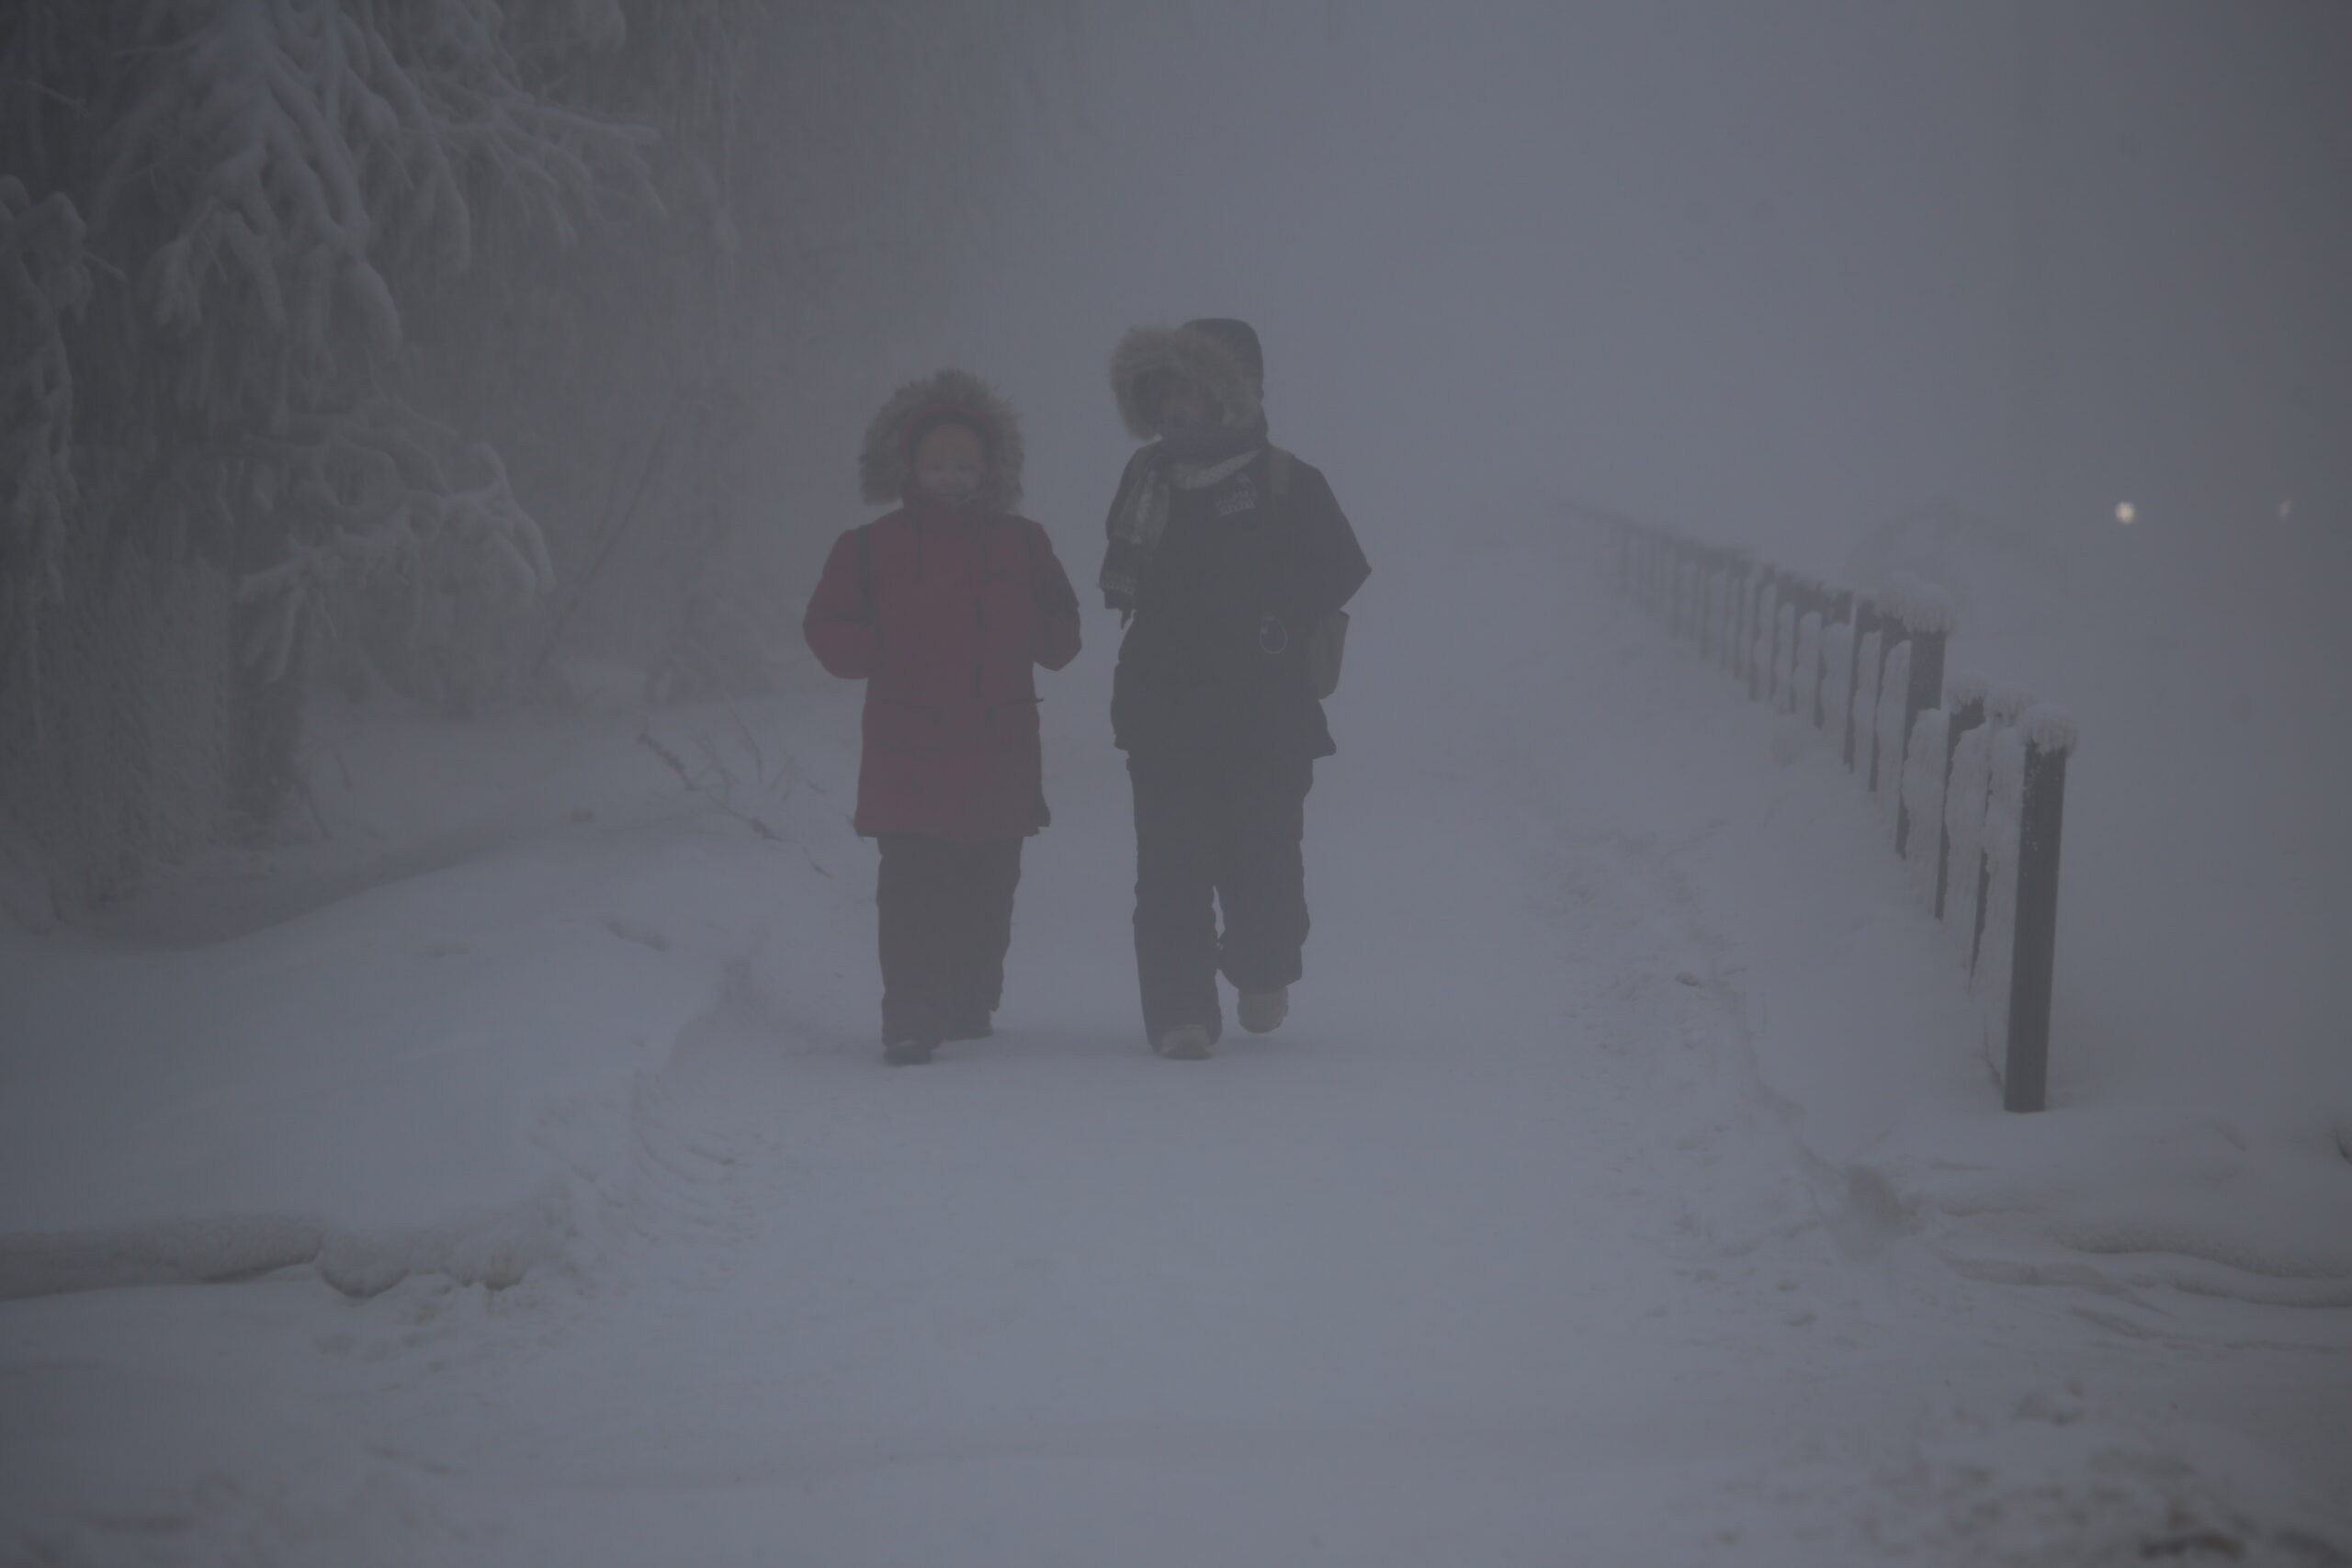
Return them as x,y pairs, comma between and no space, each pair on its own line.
1140,517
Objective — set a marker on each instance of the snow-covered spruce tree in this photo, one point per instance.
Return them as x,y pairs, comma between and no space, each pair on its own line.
215,212
363,315
825,168
45,277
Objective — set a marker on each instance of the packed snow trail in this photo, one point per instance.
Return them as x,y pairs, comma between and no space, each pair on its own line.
1502,1250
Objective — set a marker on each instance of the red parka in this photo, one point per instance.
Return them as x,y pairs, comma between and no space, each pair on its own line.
946,612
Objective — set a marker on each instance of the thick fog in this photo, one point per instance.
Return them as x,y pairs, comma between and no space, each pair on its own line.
438,916
1809,278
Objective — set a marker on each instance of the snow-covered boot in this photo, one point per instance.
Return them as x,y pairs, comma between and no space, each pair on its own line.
968,1024
908,1053
1262,1012
1184,1042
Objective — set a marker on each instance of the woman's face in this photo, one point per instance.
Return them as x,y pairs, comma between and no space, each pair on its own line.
950,462
1188,405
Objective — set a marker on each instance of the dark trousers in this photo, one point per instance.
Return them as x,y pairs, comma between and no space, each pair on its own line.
1216,833
946,921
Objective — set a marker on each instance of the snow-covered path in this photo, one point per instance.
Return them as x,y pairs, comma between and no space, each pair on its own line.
1507,1248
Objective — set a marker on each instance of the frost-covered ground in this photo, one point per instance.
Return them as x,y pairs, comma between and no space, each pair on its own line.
1627,1187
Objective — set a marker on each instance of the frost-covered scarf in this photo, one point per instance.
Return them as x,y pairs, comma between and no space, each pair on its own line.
1186,461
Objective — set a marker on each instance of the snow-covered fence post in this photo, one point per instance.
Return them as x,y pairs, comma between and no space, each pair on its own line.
1776,636
1761,623
1703,597
1886,725
1864,646
1926,615
1741,569
1719,583
1985,766
1870,669
1820,606
1805,689
1751,573
1708,581
1966,693
2050,737
1690,581
1919,797
2002,706
1836,610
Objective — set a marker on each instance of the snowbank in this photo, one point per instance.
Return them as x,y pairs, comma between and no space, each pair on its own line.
433,1044
1864,1026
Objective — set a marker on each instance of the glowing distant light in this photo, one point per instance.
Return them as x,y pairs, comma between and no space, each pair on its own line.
2125,512
2286,507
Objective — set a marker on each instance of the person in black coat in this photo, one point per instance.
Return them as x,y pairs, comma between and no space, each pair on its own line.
1229,558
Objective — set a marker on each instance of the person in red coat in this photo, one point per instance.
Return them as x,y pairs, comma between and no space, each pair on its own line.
945,608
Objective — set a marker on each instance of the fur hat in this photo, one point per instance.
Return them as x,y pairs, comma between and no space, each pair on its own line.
885,459
1220,353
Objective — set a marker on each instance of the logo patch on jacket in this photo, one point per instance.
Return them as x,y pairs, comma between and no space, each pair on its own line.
1236,494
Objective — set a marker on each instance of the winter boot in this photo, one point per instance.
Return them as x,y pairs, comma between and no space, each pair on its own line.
908,1052
1184,1042
1262,1012
968,1024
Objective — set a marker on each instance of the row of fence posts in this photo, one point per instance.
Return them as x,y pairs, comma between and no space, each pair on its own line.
1970,778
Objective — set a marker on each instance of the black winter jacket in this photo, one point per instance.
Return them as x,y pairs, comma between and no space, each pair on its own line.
1214,660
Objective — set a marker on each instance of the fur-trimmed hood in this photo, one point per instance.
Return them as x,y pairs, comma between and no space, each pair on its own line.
885,459
1146,353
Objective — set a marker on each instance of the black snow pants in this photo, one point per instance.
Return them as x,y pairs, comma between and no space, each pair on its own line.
1216,833
946,921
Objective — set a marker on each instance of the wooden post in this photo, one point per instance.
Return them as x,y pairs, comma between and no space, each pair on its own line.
1926,690
1967,716
2025,1080
1888,627
1683,559
1865,622
1739,633
1808,695
1670,582
1719,602
1834,608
